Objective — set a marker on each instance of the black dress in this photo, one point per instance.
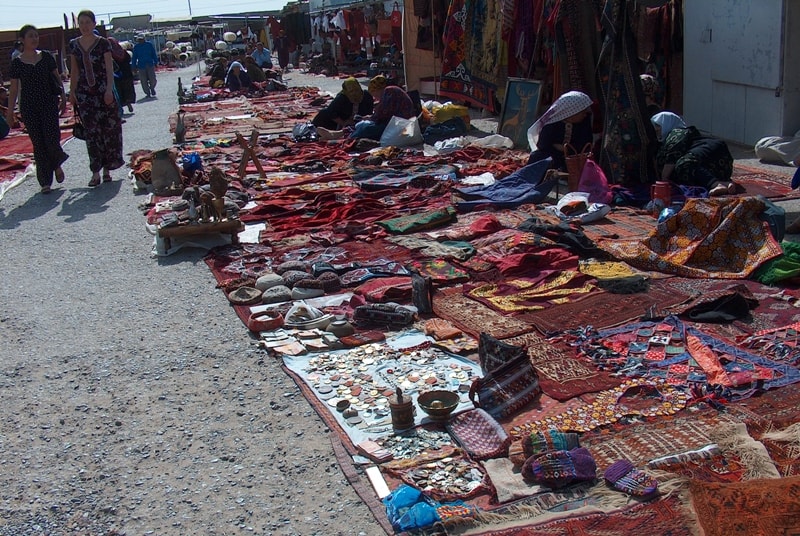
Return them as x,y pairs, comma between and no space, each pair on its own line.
123,81
39,109
556,134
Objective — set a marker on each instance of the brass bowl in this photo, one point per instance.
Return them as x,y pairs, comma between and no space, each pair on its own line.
438,404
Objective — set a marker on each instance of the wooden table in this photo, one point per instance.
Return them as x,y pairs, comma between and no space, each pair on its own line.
231,226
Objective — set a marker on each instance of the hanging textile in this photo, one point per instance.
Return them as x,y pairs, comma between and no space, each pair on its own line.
472,45
629,142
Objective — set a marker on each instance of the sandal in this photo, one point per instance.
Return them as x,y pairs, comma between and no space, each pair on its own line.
95,181
46,190
107,177
59,175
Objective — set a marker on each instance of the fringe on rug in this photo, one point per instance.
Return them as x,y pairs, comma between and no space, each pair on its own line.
753,454
790,435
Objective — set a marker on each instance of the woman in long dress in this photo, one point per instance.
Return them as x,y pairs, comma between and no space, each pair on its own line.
35,79
92,94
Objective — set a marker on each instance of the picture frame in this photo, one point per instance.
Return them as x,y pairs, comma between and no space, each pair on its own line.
520,110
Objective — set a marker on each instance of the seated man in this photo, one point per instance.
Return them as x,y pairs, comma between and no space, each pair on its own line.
390,101
262,55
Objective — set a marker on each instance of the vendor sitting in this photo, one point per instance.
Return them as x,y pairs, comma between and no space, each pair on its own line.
253,70
219,72
352,101
262,56
237,78
391,101
567,121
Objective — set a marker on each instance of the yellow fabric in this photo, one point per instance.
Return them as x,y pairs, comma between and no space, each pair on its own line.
352,90
377,83
606,269
449,111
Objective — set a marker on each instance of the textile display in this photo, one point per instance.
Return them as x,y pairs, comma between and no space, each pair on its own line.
712,238
762,507
473,317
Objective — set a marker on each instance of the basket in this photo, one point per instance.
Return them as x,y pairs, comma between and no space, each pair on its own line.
575,163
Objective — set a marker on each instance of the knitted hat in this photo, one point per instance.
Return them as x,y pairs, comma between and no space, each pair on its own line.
516,454
268,281
559,468
292,277
330,282
623,476
244,296
541,442
291,265
307,288
319,268
278,294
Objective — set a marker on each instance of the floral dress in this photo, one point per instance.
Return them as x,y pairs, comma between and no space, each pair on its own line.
39,108
103,123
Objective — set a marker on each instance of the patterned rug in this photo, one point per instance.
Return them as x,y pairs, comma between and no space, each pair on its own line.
604,310
621,222
473,317
663,517
562,374
762,507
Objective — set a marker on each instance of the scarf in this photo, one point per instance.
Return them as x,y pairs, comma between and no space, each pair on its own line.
567,105
668,122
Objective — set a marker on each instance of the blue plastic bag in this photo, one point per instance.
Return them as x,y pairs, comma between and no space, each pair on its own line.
407,509
191,163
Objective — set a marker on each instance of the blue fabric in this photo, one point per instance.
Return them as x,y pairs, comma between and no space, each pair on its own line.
523,186
368,129
796,179
443,131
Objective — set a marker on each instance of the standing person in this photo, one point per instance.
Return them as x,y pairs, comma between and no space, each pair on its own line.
92,95
123,75
144,60
281,45
35,78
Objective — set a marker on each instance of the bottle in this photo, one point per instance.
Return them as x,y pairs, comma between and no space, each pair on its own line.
181,91
180,128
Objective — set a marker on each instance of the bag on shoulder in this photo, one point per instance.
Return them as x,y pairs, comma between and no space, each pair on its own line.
506,390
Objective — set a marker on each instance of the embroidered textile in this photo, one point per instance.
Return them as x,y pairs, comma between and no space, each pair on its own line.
635,396
562,374
473,317
708,238
513,296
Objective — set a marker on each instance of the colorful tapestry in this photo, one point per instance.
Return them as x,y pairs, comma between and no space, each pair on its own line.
603,309
674,352
622,223
781,345
761,507
520,295
474,317
709,238
472,44
562,374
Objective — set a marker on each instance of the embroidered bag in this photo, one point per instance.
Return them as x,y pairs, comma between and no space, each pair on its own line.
479,434
506,390
493,353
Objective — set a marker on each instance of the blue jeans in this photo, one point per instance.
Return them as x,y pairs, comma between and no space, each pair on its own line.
368,129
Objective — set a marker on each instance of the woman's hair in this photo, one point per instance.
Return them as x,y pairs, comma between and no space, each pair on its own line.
23,31
87,13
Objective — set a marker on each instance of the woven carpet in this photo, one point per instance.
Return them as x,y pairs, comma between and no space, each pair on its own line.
605,310
473,317
667,517
761,507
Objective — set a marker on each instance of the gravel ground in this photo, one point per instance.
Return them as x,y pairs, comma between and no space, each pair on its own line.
134,401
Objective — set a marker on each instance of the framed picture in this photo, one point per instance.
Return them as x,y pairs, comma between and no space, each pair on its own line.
520,110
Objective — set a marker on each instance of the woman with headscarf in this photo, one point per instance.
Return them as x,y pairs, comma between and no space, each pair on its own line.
391,101
350,102
567,121
690,158
237,78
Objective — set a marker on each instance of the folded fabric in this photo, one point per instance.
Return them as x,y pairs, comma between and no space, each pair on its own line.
383,314
526,185
541,442
441,329
559,468
623,476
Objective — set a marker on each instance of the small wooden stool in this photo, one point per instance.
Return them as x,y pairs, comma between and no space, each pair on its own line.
249,153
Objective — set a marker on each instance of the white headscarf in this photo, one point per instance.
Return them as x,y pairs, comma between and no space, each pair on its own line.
668,121
567,105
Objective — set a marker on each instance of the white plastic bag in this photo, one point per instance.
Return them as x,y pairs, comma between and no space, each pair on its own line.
591,211
401,132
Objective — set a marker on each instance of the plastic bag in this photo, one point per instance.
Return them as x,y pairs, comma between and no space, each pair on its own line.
401,132
191,163
575,206
305,132
594,182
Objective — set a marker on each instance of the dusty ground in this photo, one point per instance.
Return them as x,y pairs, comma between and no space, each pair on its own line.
134,401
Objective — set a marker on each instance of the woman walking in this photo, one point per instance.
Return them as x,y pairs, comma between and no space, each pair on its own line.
35,79
92,94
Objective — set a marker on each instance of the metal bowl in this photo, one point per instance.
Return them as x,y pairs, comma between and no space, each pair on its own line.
438,404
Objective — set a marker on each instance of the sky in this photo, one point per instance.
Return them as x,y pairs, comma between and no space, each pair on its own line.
49,13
